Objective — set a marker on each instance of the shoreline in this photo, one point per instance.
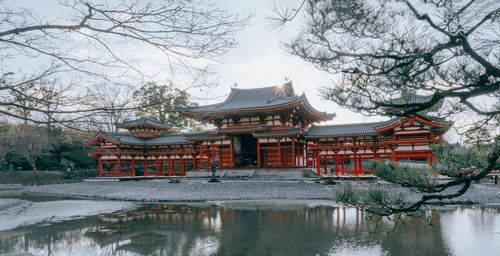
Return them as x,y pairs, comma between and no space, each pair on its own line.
162,191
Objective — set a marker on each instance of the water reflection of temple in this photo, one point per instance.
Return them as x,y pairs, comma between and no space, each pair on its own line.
167,229
239,228
155,229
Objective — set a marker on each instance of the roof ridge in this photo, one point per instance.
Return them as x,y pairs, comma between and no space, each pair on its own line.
142,121
330,125
288,83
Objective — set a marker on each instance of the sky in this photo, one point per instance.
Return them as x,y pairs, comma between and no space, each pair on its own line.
259,59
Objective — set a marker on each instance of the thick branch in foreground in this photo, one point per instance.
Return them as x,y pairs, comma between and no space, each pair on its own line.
384,204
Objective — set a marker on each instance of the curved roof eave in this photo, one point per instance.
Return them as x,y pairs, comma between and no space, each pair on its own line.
144,122
398,121
299,99
103,136
339,135
326,116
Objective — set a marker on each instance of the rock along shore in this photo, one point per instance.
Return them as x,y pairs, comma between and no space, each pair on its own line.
201,190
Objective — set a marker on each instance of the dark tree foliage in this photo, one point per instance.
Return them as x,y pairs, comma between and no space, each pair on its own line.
161,102
448,51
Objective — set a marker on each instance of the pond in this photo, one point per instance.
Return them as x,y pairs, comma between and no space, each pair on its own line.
55,226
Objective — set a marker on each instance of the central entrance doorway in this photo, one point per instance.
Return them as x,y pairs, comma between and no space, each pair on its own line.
245,150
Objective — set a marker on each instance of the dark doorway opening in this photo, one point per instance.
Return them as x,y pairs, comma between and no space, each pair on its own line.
245,150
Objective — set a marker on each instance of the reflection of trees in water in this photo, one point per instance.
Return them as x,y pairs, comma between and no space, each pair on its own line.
166,229
484,220
424,239
43,236
309,231
156,229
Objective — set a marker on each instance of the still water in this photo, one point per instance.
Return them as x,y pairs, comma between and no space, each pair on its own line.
55,226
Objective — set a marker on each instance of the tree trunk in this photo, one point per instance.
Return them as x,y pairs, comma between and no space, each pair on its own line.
33,166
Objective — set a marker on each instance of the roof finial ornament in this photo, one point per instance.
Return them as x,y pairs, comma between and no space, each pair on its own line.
286,78
235,85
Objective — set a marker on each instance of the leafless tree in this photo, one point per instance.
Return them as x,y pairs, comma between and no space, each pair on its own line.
380,50
30,142
114,100
5,146
26,99
98,41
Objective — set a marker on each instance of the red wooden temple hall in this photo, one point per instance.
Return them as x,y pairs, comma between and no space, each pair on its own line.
144,148
267,127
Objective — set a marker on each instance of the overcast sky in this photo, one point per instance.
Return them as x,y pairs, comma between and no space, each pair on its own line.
258,61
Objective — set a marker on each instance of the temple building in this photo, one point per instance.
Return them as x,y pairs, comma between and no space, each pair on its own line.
269,127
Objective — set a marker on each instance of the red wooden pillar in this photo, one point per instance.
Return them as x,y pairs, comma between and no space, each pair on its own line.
201,156
128,169
304,154
203,148
258,152
145,166
195,162
162,163
213,152
293,152
318,162
119,166
336,163
100,166
133,166
432,158
342,165
355,158
300,153
169,164
279,154
325,163
231,152
171,167
157,166
183,167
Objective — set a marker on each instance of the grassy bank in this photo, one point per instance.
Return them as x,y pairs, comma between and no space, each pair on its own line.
31,178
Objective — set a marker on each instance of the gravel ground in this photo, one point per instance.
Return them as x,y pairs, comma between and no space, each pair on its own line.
197,190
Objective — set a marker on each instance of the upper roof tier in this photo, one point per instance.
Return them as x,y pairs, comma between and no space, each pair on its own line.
246,102
144,122
144,128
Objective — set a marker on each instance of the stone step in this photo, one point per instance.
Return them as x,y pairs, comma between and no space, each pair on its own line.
255,173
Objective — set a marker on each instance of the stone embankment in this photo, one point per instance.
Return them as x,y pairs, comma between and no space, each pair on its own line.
188,190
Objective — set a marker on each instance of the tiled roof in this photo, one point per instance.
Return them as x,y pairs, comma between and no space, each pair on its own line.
205,135
348,129
168,139
251,98
143,122
244,129
159,140
256,98
278,133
